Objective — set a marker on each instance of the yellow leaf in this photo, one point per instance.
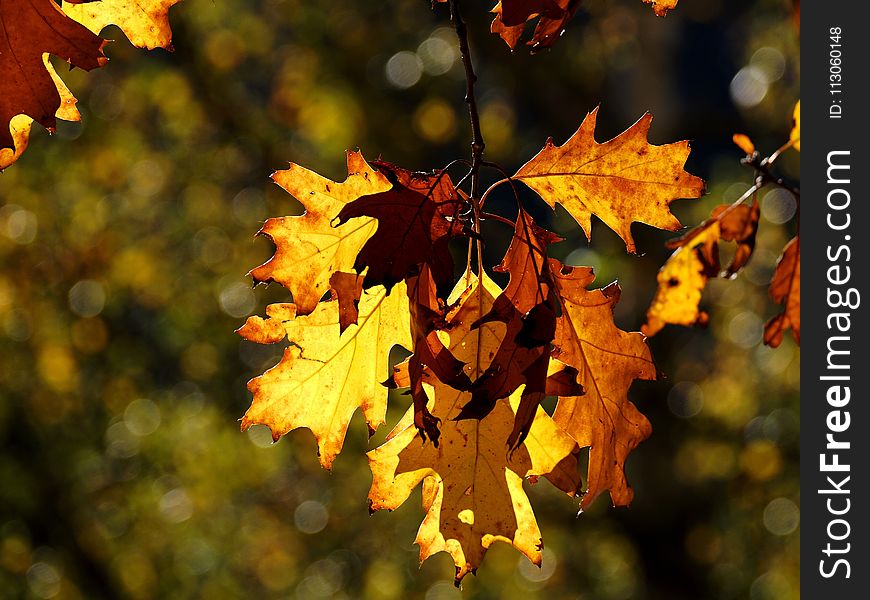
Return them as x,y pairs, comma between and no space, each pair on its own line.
472,484
621,181
144,22
308,248
682,279
325,375
608,361
795,135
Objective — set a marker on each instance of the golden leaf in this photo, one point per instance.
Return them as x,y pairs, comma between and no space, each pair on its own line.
795,135
326,374
308,248
623,180
682,279
472,484
144,22
608,360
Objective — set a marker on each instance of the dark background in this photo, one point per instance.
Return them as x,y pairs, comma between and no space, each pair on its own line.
125,241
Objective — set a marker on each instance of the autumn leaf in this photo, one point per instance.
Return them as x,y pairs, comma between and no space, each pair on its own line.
428,316
624,180
785,289
795,135
661,7
608,361
144,22
37,28
28,30
20,125
738,224
528,308
325,375
472,486
417,216
682,279
346,288
553,16
308,249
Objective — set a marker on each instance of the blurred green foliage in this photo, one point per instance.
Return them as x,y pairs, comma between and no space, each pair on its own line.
125,241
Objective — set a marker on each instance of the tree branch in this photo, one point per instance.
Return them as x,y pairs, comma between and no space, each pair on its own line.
477,143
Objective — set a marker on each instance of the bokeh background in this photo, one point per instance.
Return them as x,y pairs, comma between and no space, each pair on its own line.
125,241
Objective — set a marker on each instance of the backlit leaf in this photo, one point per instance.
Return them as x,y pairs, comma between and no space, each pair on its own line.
472,485
308,249
326,375
785,289
607,360
621,181
682,279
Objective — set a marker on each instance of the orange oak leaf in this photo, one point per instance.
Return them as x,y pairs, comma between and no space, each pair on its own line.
528,308
472,486
661,7
682,279
308,249
325,374
28,30
144,22
417,216
621,181
608,361
785,289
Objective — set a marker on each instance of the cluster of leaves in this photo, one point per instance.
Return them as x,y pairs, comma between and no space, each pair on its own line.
31,30
369,267
682,279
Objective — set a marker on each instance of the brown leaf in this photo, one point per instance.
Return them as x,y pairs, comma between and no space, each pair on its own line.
308,249
624,180
738,224
417,216
553,16
29,29
528,307
785,289
346,288
428,316
682,279
20,125
608,361
325,375
472,487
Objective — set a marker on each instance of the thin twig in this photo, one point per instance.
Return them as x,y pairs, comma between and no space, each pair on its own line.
477,143
495,217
